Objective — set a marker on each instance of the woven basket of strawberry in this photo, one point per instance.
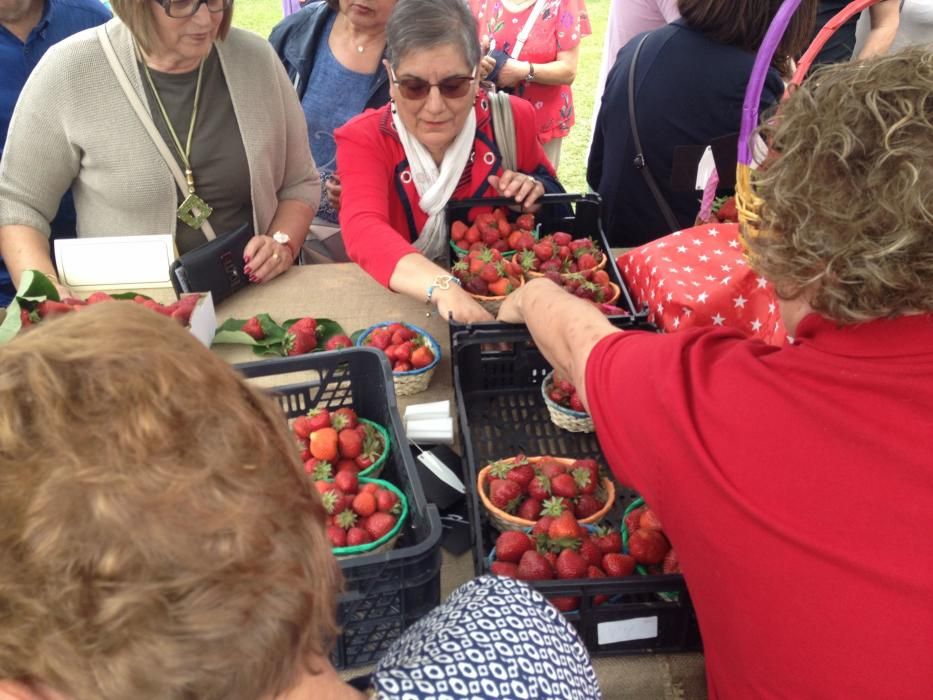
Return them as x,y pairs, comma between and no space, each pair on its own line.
488,277
412,353
561,253
336,441
591,285
518,491
560,548
564,405
365,516
494,230
643,537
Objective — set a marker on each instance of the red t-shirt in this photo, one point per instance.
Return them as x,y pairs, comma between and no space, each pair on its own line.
559,27
796,484
379,212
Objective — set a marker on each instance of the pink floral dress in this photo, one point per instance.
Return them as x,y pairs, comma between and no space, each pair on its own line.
559,27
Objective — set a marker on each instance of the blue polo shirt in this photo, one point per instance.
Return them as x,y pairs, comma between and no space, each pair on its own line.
60,19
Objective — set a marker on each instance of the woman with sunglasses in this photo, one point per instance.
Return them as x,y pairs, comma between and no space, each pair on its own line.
220,106
400,165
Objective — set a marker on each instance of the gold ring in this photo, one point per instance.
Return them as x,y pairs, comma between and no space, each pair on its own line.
275,256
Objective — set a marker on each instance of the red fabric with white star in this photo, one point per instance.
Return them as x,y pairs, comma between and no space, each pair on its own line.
699,277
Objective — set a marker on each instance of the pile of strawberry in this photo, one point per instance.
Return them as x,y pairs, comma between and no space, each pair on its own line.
545,487
405,348
563,393
494,230
592,285
357,513
180,310
484,272
334,442
561,548
301,336
725,211
559,252
647,542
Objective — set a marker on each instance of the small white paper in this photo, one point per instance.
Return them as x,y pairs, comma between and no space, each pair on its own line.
431,430
434,409
441,471
115,262
705,168
627,630
203,322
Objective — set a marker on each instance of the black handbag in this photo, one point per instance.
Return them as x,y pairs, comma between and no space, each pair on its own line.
215,267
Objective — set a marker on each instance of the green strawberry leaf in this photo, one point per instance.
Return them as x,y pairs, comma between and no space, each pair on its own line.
355,335
277,349
129,296
230,332
33,288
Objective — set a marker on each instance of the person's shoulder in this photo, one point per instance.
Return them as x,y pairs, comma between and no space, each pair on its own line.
81,46
371,121
300,21
93,12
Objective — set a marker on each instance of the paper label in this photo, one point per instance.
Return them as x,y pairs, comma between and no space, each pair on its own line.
627,630
115,262
705,168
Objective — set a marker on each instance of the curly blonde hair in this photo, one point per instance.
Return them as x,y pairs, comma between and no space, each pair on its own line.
158,537
847,198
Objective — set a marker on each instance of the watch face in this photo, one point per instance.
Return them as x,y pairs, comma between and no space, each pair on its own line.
280,237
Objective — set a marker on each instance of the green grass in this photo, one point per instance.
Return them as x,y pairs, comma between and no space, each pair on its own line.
261,15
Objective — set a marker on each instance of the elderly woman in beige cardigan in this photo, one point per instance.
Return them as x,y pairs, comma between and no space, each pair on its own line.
221,103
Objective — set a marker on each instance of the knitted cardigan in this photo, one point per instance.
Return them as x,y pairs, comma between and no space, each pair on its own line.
74,127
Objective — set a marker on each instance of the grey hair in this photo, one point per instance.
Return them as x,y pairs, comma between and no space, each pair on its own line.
416,25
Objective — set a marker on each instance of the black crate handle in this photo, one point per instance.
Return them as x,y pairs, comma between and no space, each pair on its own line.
550,198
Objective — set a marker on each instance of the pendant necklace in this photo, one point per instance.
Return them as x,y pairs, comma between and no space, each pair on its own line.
194,211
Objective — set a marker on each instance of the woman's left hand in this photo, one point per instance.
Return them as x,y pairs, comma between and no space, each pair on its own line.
266,259
524,189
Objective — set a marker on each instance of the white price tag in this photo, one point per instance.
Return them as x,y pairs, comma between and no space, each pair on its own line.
627,630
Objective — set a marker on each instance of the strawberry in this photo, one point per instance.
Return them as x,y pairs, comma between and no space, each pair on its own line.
530,509
596,572
550,467
403,351
402,367
671,563
379,338
253,328
357,536
99,297
632,519
521,474
563,486
571,565
649,520
526,222
347,481
349,443
544,523
565,527
561,238
565,603
727,211
543,250
348,465
576,404
364,504
319,469
458,230
323,444
610,542
539,487
590,551
490,272
370,487
551,558
504,568
504,494
554,506
302,427
511,545
587,505
421,356
618,564
344,418
301,337
337,536
534,567
338,342
345,519
378,525
648,546
587,261
386,501
472,235
320,418
585,479
501,287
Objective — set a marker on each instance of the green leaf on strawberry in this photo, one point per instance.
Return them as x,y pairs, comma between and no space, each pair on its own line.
231,332
34,287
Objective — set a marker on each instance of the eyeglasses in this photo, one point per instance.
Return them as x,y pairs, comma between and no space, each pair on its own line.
187,8
418,89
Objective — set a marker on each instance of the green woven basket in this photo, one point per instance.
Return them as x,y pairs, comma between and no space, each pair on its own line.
383,544
375,469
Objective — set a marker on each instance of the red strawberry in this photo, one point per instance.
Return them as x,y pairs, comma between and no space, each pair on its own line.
501,287
543,250
370,487
534,567
349,443
575,404
551,467
348,465
728,211
590,551
344,418
301,337
526,222
671,563
521,474
565,527
587,261
586,506
610,542
347,481
320,418
364,504
338,342
302,427
530,509
380,338
563,486
323,444
403,351
561,238
386,501
649,520
539,487
571,565
565,603
357,536
511,545
596,572
504,568
421,356
378,525
402,367
98,297
253,328
632,519
544,523
618,564
458,230
504,494
586,480
337,536
648,546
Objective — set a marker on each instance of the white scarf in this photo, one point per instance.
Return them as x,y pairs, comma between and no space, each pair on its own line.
436,185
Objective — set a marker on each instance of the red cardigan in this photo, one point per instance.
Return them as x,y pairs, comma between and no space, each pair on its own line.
379,212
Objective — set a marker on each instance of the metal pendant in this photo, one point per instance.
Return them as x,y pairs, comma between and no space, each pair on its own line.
194,211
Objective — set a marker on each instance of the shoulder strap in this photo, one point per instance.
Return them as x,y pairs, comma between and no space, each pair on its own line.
640,163
146,119
526,30
503,124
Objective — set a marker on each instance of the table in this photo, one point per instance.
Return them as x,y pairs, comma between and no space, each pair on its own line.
344,293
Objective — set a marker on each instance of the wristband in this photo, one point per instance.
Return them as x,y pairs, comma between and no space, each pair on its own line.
440,282
531,73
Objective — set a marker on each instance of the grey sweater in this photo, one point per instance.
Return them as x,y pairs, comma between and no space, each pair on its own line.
74,127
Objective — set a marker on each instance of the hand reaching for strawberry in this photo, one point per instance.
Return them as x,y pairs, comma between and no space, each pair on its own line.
524,189
456,304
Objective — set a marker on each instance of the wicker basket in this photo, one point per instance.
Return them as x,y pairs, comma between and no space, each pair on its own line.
375,469
492,304
503,521
383,544
562,417
416,380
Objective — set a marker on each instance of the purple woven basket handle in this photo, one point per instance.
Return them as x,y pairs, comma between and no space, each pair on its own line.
756,81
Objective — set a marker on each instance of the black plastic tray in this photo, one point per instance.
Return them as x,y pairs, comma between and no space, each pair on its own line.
388,591
502,413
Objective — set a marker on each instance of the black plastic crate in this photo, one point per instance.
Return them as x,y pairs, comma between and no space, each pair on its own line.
502,413
577,214
388,591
